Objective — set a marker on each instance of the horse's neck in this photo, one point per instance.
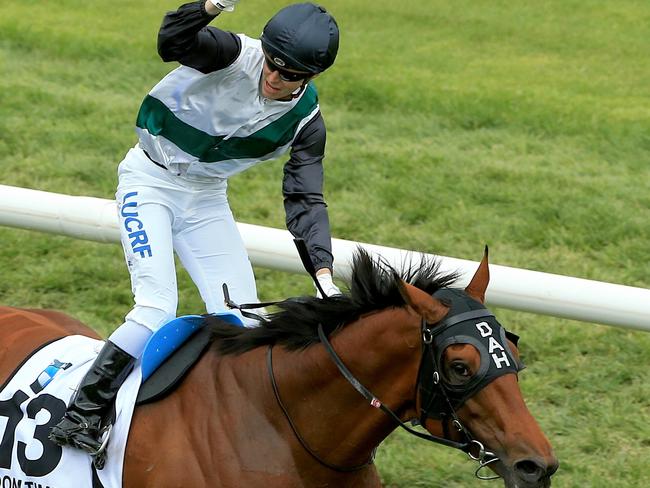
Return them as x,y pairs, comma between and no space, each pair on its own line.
382,351
334,420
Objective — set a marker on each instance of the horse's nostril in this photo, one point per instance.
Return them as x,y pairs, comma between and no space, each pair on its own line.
530,470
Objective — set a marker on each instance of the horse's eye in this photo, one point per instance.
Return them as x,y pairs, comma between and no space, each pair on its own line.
457,373
460,369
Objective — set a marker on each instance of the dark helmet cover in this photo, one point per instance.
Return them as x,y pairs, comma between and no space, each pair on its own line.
302,37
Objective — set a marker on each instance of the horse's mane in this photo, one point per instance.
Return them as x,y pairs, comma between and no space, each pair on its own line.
373,286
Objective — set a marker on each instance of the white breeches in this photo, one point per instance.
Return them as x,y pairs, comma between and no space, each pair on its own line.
159,213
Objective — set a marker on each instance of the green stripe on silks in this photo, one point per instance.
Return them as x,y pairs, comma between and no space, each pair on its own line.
158,120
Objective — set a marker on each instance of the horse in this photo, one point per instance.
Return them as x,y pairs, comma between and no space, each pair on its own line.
305,399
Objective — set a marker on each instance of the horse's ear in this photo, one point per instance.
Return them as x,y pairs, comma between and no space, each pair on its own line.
432,309
478,284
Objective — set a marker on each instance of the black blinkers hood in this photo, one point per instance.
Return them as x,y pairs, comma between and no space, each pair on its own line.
467,322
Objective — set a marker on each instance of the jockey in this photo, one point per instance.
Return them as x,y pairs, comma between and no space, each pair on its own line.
233,102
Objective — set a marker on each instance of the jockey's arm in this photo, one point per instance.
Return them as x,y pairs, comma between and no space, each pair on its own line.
305,207
185,36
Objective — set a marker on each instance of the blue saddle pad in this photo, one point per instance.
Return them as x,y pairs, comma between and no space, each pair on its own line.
166,340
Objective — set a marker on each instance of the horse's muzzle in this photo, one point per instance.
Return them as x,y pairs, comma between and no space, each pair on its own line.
529,473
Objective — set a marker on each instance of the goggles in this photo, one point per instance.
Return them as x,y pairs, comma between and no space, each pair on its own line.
283,73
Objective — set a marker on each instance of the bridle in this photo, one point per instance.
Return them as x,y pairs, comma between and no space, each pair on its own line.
440,394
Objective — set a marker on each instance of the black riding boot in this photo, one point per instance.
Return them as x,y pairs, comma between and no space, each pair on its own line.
81,425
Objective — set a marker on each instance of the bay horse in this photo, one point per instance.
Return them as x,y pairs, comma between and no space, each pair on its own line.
289,404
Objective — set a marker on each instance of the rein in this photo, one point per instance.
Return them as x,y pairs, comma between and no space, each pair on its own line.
303,443
375,402
472,447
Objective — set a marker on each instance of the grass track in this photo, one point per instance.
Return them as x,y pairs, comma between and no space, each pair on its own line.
451,124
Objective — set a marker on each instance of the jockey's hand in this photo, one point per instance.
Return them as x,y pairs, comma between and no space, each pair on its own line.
327,284
224,5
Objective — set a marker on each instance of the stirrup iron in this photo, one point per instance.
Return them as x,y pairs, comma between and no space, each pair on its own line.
99,456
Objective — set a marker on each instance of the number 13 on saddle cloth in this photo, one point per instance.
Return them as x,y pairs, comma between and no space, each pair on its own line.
34,398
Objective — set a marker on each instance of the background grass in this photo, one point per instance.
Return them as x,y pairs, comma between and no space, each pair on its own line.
451,124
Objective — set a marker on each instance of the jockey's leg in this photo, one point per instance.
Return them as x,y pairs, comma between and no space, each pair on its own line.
81,425
213,252
150,261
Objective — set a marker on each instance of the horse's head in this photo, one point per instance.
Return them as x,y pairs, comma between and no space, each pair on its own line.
468,388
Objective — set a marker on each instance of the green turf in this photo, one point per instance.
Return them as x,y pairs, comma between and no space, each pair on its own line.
524,125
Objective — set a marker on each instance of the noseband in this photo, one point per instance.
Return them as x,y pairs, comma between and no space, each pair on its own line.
439,399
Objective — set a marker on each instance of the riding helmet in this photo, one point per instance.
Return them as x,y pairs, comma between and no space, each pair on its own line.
302,37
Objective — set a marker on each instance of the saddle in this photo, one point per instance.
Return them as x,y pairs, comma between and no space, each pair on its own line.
172,352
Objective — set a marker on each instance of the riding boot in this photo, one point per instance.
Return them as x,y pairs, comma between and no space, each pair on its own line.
82,424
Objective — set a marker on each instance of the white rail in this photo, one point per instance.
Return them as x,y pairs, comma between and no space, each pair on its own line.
531,291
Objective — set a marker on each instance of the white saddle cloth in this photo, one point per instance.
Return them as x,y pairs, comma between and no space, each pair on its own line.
34,399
